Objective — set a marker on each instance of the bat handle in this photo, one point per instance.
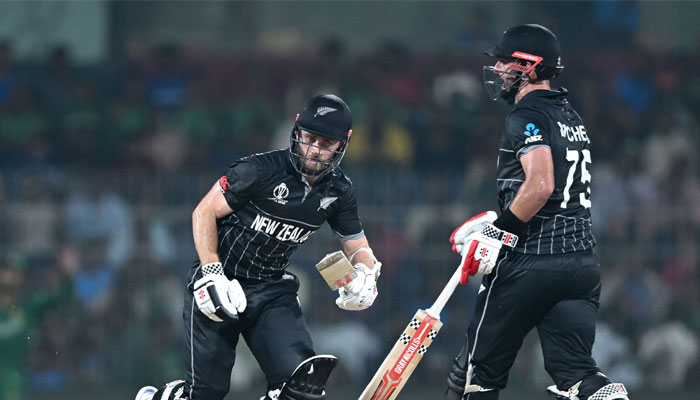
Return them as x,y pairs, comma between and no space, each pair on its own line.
436,308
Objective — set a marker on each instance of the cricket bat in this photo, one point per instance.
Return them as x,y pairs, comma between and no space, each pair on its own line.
336,270
410,348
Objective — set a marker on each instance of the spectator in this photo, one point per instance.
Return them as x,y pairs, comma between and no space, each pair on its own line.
59,79
668,141
95,278
7,75
20,313
82,126
93,213
668,351
23,129
129,122
167,85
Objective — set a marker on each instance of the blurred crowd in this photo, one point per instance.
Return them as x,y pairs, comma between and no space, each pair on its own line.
101,165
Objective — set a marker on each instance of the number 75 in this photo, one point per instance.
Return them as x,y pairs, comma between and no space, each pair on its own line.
573,156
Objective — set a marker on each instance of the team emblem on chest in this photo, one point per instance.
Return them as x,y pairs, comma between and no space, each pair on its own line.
325,202
280,193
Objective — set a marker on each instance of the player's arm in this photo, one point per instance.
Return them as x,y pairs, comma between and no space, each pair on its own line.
358,251
345,222
212,207
216,296
538,185
479,239
231,192
362,291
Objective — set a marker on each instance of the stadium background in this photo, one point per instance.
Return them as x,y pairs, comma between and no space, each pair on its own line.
115,118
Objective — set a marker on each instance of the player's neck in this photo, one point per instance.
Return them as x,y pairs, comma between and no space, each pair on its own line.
528,87
311,180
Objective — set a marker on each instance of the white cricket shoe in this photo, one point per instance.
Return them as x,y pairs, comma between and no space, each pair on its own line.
272,395
146,393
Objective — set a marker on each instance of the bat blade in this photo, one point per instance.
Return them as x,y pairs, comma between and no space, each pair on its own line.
409,349
403,358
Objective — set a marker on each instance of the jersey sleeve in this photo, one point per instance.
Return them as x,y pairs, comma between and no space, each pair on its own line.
345,221
526,130
238,184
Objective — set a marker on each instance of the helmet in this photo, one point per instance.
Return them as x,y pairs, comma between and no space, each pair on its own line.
523,43
324,115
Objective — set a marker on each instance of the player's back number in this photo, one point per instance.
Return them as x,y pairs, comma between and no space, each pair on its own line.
573,156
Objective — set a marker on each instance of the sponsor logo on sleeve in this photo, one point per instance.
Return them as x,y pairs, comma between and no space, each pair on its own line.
530,129
532,134
223,184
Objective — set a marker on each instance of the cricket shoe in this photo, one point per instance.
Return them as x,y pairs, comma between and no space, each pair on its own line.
146,393
272,395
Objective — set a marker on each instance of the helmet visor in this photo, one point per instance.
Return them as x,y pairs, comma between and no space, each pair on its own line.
499,84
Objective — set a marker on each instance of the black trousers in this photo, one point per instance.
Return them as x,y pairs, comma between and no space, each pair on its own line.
558,295
272,326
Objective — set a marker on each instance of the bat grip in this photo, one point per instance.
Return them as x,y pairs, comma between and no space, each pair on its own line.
436,308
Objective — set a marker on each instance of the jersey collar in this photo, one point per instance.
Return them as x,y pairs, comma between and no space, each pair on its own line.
536,94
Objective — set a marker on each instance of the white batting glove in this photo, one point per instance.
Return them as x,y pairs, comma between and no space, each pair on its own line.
481,249
362,291
473,224
217,297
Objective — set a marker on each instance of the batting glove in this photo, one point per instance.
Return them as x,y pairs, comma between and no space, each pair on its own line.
362,291
481,249
472,225
217,297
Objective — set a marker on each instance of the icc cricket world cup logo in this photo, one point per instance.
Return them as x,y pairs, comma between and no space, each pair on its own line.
279,194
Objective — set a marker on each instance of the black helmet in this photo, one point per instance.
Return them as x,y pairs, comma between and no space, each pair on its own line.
523,43
324,115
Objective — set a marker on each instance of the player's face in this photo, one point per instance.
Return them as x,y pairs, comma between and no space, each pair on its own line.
502,68
10,283
319,150
500,78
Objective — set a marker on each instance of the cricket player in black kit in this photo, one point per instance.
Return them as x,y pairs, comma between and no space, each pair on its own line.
537,256
245,229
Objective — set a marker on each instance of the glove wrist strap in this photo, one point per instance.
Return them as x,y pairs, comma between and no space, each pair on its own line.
213,268
510,223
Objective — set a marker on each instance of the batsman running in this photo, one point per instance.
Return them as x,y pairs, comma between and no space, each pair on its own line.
536,257
245,229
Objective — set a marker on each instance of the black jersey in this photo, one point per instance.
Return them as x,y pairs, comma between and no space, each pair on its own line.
275,211
545,118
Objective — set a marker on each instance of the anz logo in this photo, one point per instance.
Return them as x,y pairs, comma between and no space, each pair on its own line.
532,134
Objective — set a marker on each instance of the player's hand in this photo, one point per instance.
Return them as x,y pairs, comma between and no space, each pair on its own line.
480,250
473,224
218,298
361,292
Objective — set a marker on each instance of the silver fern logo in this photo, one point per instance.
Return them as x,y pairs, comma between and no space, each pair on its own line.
325,202
323,111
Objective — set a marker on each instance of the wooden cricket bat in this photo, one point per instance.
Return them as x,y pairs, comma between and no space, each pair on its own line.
409,349
336,270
